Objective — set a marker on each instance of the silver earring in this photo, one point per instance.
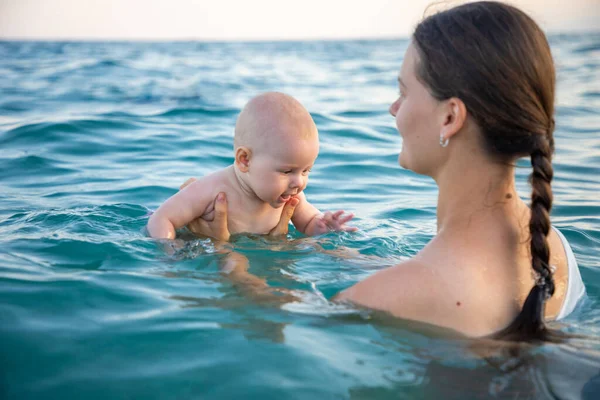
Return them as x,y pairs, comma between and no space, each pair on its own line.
443,142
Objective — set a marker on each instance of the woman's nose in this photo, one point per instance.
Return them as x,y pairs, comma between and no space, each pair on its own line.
394,107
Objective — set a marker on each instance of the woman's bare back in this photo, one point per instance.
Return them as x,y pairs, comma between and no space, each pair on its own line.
473,280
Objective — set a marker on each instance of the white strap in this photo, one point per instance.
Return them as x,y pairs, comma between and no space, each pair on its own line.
575,286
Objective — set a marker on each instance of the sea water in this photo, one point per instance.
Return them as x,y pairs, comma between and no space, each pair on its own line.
94,136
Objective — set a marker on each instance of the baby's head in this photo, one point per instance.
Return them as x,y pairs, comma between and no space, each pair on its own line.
276,143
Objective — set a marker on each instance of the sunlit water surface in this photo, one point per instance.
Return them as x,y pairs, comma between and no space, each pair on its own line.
94,136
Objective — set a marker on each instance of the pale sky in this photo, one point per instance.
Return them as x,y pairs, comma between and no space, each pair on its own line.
251,19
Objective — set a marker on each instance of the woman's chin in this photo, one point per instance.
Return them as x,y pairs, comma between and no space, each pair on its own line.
402,160
408,164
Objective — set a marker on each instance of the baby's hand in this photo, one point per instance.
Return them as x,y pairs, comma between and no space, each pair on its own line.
333,222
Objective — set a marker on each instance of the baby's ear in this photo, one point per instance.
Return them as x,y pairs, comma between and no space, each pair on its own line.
242,158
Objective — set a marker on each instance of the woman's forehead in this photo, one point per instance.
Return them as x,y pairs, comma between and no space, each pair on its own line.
408,63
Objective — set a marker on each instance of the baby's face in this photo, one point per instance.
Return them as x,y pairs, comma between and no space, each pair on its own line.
280,170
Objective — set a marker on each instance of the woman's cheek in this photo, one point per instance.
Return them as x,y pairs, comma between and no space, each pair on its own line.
401,120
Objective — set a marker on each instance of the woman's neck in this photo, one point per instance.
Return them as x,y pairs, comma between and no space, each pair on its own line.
475,188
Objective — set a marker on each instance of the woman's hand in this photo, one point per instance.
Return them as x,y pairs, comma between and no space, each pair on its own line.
217,228
283,225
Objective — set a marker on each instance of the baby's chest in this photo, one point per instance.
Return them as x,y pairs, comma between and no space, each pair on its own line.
242,221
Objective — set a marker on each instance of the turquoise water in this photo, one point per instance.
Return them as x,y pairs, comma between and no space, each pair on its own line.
94,136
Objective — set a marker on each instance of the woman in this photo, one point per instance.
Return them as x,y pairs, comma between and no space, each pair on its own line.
477,88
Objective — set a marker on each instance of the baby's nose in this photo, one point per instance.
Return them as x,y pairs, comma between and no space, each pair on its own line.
296,181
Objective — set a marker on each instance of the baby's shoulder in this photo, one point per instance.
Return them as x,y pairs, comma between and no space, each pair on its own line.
204,190
215,182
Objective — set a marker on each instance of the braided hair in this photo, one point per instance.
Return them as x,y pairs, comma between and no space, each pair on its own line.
497,60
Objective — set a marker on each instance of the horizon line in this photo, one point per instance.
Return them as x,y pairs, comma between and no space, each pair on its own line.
84,39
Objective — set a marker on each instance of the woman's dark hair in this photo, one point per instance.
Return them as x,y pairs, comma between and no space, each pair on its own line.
497,60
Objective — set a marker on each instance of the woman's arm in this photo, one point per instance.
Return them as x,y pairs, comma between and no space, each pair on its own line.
235,265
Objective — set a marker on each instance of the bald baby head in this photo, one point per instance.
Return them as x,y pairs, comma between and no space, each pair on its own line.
272,118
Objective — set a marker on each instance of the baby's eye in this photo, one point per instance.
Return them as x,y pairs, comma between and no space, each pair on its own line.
306,171
287,171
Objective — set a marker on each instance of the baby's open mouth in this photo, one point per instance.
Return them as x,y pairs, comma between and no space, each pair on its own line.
285,197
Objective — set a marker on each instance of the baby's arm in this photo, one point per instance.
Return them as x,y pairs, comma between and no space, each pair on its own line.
310,221
181,208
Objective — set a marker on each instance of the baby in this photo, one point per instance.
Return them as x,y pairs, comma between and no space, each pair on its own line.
275,146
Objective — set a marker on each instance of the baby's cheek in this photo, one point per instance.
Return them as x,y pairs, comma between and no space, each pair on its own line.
304,184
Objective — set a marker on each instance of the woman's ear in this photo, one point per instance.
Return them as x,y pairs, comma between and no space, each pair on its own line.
455,115
242,158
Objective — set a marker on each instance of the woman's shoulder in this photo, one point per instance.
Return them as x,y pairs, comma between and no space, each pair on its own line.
442,286
414,289
380,289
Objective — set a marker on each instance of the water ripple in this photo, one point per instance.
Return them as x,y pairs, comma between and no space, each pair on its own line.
96,135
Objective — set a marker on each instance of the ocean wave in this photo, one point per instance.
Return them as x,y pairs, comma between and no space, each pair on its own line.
49,132
95,136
